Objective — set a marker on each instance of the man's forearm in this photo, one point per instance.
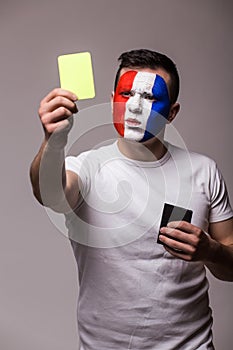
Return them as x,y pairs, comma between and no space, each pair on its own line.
48,176
220,262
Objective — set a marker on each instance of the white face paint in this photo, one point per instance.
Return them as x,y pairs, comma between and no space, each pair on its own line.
138,106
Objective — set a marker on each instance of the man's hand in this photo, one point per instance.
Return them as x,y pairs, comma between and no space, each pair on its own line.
190,243
186,241
55,113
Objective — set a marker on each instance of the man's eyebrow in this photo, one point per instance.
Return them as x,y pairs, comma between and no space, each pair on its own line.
133,91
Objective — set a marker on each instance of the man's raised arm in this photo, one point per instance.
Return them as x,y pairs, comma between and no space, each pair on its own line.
52,185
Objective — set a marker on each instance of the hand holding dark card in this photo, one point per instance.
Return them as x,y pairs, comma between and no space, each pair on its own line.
174,213
182,239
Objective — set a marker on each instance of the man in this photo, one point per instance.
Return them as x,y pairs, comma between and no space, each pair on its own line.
134,292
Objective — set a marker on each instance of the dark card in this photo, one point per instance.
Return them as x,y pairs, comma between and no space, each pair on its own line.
173,213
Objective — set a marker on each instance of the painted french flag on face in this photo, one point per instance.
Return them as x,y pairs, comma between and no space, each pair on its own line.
141,105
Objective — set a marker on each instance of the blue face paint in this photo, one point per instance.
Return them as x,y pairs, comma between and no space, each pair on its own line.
159,110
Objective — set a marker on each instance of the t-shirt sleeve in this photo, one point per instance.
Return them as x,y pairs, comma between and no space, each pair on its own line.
79,165
220,208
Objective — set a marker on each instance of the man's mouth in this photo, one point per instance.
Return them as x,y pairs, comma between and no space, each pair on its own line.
133,123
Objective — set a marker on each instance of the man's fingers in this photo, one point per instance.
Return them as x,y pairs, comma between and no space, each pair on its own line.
59,92
55,108
186,237
183,226
59,127
180,246
60,113
56,103
56,114
181,255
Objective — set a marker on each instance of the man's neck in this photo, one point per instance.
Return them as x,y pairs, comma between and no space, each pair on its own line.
149,151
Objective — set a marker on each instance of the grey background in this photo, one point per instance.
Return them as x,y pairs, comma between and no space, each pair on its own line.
38,273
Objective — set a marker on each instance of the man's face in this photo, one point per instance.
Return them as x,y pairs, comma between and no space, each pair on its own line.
141,103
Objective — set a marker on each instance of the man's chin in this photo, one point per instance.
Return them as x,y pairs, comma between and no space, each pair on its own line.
134,134
141,135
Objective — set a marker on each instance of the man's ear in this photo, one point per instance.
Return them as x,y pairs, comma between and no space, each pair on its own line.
173,112
112,97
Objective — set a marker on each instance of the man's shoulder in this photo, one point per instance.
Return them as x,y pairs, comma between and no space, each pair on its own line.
195,158
193,163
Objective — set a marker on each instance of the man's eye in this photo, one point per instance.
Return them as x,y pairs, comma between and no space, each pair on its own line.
149,97
126,93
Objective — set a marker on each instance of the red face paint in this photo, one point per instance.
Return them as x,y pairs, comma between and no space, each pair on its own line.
119,102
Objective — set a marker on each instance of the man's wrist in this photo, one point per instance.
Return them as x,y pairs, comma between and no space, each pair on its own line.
214,251
56,144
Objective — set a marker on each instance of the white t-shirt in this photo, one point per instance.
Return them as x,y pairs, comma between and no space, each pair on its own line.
134,294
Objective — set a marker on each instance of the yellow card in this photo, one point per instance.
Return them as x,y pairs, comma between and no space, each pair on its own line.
76,74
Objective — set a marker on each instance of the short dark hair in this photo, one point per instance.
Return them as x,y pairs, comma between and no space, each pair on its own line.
144,58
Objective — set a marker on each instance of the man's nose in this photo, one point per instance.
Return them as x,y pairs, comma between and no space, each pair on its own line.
135,104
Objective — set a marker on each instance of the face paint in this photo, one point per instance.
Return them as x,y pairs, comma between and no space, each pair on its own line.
141,105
